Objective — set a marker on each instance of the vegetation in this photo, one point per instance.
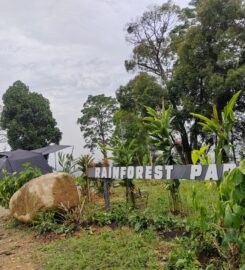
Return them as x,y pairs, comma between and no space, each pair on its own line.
10,183
28,119
96,120
193,60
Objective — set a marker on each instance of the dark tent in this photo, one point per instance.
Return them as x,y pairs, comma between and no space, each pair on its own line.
13,161
50,149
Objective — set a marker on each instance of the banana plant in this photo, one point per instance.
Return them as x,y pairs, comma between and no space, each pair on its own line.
222,128
124,154
160,133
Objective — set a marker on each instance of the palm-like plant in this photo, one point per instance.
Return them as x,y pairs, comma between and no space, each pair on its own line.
222,128
160,132
124,155
83,163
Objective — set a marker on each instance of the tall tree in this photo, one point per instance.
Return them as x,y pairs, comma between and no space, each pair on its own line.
199,55
96,121
143,90
210,66
28,119
149,36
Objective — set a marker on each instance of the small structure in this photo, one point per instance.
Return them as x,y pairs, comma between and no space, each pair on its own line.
13,161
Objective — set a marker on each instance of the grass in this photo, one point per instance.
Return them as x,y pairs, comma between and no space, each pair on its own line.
107,249
123,248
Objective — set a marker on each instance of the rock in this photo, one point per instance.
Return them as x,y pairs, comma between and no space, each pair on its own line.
45,192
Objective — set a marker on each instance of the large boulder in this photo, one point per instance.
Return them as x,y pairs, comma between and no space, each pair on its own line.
45,192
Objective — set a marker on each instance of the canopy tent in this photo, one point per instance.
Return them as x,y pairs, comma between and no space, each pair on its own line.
50,149
13,161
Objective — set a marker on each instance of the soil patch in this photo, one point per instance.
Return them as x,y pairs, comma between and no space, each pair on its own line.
16,246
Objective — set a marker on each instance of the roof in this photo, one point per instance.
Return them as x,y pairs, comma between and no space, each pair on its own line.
50,149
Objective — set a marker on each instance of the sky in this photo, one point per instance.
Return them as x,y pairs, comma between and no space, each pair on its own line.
67,50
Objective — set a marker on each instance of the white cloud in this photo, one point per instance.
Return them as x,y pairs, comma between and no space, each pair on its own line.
66,50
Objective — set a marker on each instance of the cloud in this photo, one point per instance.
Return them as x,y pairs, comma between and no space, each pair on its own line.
66,50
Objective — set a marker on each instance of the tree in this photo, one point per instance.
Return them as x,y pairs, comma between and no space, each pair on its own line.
150,38
198,52
210,65
28,119
96,121
143,90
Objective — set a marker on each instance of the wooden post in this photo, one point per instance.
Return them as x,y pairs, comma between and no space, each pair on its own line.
107,195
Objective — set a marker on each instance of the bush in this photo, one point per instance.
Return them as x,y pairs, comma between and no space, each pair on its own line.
10,183
60,220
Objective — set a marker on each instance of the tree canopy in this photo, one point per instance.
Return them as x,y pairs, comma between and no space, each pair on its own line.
96,120
28,119
198,53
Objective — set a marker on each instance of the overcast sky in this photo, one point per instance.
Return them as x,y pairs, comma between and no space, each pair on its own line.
67,50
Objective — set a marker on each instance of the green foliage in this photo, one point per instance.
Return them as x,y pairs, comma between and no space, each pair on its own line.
122,154
60,220
184,257
10,183
67,162
232,207
206,56
221,128
84,162
160,132
96,120
150,40
158,124
46,222
28,119
143,90
137,220
201,156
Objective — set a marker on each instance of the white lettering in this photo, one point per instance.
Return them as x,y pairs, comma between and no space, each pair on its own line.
211,173
148,172
115,173
104,172
139,172
130,172
158,173
123,172
97,172
196,170
169,169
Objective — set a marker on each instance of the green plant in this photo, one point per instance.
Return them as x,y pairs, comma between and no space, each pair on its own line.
61,220
10,183
201,156
67,162
222,128
84,162
123,155
160,133
231,216
47,222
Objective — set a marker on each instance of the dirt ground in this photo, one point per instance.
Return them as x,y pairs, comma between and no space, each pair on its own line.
16,246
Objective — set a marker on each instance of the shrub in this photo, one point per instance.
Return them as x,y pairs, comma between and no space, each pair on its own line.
10,183
60,220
